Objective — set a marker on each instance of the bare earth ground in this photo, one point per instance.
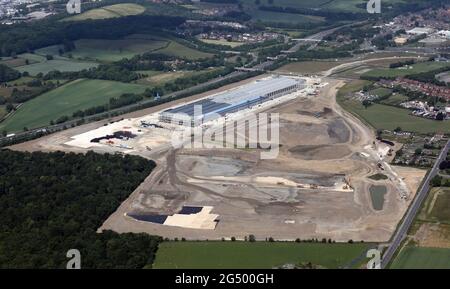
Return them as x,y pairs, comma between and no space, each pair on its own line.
317,187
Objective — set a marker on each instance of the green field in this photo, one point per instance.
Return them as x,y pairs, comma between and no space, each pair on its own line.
257,255
112,11
381,116
381,92
387,117
2,111
222,42
56,64
277,17
333,5
160,77
402,71
13,62
32,57
436,207
176,49
113,50
395,99
422,258
309,66
65,100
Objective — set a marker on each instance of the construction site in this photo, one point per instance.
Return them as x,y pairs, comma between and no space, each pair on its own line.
318,186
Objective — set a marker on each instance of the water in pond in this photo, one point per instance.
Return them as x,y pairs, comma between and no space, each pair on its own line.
377,195
158,219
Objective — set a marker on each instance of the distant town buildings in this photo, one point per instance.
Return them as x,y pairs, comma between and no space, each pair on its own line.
10,12
420,31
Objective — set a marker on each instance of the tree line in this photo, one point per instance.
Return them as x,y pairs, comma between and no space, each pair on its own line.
26,37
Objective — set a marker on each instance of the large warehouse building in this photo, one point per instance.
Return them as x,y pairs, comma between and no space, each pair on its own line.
243,97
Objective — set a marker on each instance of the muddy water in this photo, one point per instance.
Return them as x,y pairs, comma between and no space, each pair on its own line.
377,195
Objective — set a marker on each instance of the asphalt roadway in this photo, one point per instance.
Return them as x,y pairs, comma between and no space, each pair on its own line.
413,209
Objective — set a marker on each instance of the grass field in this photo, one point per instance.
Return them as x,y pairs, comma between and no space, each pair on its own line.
13,62
309,66
381,92
436,207
402,71
388,117
112,11
222,42
382,116
56,64
333,5
422,258
258,255
113,50
160,78
20,81
65,100
32,57
277,17
395,99
176,49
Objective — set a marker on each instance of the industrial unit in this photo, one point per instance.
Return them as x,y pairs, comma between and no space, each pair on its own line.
243,97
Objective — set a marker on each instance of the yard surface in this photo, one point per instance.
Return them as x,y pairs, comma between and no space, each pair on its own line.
257,255
422,258
65,100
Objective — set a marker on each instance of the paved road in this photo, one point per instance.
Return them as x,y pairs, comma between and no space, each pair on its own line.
403,228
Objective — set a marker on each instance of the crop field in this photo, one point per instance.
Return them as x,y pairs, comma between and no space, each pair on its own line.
422,258
113,50
402,71
56,64
257,255
112,11
65,100
13,62
2,111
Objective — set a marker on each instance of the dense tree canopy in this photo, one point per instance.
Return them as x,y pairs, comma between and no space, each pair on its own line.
50,203
29,36
7,74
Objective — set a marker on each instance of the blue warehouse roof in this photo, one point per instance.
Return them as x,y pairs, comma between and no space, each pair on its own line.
238,97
